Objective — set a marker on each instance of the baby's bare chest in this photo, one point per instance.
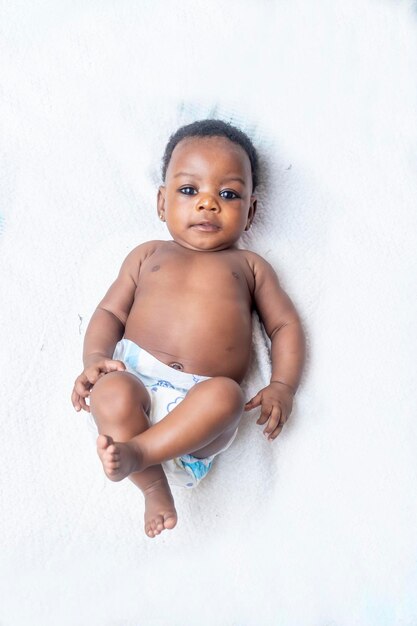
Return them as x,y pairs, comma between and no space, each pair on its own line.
200,275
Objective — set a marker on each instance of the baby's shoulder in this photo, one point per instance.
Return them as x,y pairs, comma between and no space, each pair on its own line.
254,261
136,257
146,249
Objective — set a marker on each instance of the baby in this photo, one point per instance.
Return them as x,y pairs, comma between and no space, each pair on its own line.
168,346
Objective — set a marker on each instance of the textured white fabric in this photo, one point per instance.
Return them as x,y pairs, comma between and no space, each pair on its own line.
319,527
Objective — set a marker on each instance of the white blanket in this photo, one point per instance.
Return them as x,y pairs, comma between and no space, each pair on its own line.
319,527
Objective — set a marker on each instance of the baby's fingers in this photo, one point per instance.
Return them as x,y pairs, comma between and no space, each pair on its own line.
265,413
111,365
79,402
84,405
101,368
276,432
273,423
82,385
254,402
75,399
91,375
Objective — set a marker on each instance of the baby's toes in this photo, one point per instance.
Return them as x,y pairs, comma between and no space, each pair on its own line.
149,531
170,521
112,454
109,460
113,450
113,464
155,527
103,442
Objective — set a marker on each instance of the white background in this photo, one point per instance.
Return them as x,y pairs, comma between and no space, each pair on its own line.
319,527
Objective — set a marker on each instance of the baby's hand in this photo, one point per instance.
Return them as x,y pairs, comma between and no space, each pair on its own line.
89,376
276,400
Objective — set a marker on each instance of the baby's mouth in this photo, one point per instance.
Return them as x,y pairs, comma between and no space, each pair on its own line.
206,227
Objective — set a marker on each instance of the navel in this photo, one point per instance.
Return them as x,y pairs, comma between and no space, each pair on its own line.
155,268
176,366
235,275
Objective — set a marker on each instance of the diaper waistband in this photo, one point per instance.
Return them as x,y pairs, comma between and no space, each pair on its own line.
150,367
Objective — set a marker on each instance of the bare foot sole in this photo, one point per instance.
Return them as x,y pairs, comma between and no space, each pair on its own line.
160,512
119,459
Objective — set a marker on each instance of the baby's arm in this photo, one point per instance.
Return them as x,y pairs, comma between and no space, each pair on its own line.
106,328
283,327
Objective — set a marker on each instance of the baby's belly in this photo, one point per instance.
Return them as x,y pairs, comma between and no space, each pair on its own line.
208,344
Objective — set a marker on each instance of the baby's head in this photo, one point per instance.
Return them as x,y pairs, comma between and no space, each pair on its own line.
210,172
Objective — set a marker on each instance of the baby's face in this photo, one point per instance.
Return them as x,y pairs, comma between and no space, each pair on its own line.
207,199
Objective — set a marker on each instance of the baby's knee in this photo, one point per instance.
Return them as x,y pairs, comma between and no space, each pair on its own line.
228,393
116,395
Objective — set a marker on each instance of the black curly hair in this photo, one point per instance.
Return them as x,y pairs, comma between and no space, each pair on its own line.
212,128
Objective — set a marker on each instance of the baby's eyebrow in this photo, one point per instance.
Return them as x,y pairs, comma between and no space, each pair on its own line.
224,180
233,177
186,174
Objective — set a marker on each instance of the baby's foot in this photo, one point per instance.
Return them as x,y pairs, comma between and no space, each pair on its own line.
160,511
119,459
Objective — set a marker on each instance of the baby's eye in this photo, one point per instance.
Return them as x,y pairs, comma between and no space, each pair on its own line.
228,191
184,190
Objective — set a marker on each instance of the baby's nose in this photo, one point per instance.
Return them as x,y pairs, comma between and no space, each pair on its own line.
208,202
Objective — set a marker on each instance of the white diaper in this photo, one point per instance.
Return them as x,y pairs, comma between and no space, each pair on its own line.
167,388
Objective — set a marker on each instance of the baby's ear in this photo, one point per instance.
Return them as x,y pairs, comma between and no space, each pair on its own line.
160,201
252,211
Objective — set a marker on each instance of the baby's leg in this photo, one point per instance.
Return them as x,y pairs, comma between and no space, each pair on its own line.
199,425
119,402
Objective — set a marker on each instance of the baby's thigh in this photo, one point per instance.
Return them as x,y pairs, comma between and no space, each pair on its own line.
117,394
